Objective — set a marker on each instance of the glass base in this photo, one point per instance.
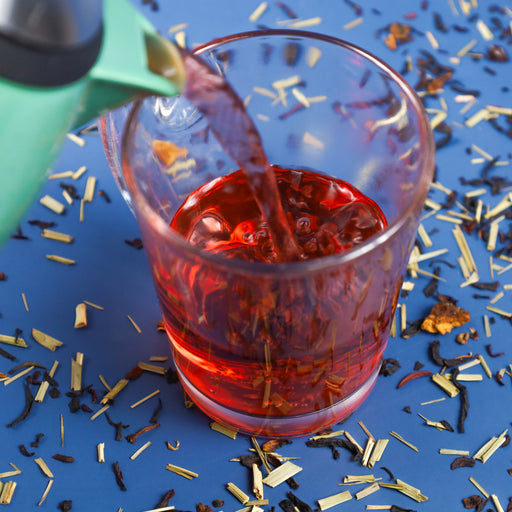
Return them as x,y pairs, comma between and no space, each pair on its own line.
280,426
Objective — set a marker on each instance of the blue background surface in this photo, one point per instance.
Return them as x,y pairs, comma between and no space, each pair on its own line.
116,276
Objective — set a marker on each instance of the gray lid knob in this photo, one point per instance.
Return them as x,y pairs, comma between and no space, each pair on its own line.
57,24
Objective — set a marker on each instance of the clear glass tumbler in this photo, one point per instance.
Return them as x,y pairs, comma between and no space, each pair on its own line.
290,348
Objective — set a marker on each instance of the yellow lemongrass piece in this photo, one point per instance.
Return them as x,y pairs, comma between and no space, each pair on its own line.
493,236
497,297
121,384
186,473
479,487
447,218
490,447
99,412
104,382
179,166
408,286
312,141
158,359
25,303
265,92
487,327
177,28
370,443
142,400
76,139
43,387
82,206
180,38
136,453
52,204
500,312
171,447
482,115
403,317
223,429
280,474
311,22
132,321
481,152
313,54
67,197
432,40
93,305
55,235
354,442
425,238
165,509
76,372
45,493
256,14
333,500
353,23
350,479
485,366
466,377
449,451
433,401
445,384
427,255
300,97
370,489
79,172
467,48
60,175
60,259
257,482
476,192
261,455
18,375
286,82
153,368
80,316
326,436
464,249
402,440
411,491
484,30
237,493
90,185
8,474
378,507
43,466
100,449
432,204
497,503
402,111
263,117
430,423
377,452
7,491
13,340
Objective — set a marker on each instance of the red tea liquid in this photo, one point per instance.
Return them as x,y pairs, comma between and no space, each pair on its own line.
256,349
260,347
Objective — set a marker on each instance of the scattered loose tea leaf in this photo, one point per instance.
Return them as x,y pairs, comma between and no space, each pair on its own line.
389,367
413,376
29,402
37,440
133,437
63,458
25,452
462,462
118,426
65,506
119,476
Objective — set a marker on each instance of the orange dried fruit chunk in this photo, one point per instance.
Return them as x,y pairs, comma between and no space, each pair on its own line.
444,317
167,152
401,31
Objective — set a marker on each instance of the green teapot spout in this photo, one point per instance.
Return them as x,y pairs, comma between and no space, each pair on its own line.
134,61
63,64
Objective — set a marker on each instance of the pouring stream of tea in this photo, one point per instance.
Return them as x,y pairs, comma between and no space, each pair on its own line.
211,94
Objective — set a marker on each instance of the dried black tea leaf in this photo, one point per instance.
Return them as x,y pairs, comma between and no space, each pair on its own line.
462,462
119,476
389,367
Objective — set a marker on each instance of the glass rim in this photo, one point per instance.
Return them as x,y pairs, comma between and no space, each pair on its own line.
427,163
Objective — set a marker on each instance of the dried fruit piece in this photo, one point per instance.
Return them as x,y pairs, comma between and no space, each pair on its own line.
444,317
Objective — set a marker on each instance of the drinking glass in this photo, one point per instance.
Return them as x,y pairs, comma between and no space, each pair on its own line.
280,349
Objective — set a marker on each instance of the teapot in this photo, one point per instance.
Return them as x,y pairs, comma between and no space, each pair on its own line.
64,63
